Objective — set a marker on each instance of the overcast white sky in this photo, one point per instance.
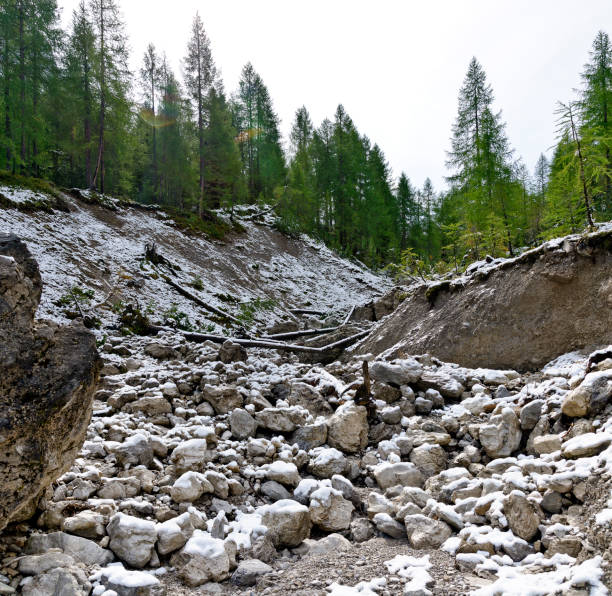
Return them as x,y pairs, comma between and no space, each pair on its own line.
396,65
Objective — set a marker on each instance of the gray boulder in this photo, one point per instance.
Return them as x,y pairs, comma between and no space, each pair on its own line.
47,379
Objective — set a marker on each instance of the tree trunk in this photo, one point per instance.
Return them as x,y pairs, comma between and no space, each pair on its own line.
35,80
200,131
7,93
22,77
100,163
87,120
155,177
587,201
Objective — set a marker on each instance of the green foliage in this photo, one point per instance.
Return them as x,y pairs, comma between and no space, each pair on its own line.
69,112
82,296
249,310
177,318
197,283
133,321
411,267
209,224
257,125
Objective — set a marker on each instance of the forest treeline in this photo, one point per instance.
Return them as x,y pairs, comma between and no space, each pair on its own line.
72,112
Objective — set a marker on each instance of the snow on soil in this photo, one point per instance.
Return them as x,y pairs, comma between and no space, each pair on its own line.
22,196
91,244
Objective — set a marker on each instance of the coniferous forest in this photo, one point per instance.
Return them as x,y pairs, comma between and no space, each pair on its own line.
73,113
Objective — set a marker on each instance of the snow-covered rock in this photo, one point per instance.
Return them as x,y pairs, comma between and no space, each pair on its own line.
288,522
132,539
348,428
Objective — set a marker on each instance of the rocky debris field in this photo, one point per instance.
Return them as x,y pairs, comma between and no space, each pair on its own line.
220,471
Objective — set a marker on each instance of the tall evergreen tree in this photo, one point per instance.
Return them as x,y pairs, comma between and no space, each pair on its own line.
176,168
540,189
409,225
151,78
480,157
299,204
113,90
259,136
29,43
200,77
79,93
596,128
224,186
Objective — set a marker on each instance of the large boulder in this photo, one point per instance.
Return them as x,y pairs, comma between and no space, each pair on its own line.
329,510
517,313
132,539
202,559
47,379
288,522
348,428
81,549
397,474
424,532
502,435
523,515
590,397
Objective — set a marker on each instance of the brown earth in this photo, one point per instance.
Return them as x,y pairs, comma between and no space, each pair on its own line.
518,314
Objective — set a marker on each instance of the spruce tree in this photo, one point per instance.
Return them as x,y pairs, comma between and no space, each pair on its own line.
409,225
259,136
540,181
176,170
299,204
223,166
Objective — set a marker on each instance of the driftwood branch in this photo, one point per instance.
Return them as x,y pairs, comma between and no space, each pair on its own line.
263,212
183,292
306,332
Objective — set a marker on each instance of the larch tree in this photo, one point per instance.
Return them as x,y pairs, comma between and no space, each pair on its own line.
78,90
112,81
568,128
480,157
200,77
596,129
151,78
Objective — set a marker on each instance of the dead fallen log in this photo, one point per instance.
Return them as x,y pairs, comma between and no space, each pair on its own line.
263,212
261,343
307,332
301,333
306,311
348,317
183,292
